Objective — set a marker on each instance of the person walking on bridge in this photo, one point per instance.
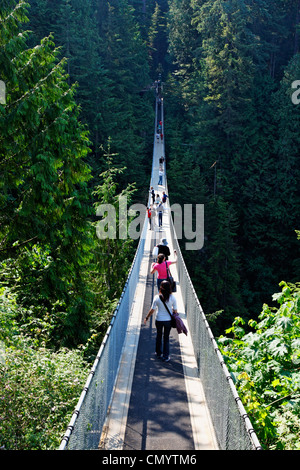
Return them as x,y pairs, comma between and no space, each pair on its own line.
163,248
161,268
152,192
160,180
164,197
149,215
160,209
153,217
163,319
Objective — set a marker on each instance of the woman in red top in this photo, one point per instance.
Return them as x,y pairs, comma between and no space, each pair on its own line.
161,268
149,215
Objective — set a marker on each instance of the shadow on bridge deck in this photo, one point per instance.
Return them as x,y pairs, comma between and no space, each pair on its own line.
158,415
157,405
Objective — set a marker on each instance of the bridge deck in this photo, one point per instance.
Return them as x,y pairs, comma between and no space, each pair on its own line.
157,405
158,416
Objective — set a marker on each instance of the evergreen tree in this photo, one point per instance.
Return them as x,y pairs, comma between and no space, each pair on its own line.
286,197
126,123
226,48
113,254
44,231
75,29
157,42
221,263
228,57
107,58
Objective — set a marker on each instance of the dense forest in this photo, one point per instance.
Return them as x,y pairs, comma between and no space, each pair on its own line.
76,130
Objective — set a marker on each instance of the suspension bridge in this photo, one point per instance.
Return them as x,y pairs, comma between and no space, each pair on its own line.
134,401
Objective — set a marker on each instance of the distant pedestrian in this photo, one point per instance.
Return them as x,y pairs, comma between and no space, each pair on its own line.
149,215
161,160
160,180
153,216
163,319
163,248
157,136
160,209
152,192
157,199
164,197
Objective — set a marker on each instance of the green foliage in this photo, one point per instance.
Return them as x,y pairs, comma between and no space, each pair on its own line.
215,269
108,59
113,256
229,101
59,283
39,390
232,136
45,235
265,365
39,387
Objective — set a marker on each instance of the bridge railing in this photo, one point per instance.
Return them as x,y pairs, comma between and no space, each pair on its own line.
86,425
231,423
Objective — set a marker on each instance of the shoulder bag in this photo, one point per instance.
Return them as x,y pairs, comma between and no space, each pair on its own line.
170,279
155,251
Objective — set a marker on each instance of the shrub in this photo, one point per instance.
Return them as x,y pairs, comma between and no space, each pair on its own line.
265,365
39,391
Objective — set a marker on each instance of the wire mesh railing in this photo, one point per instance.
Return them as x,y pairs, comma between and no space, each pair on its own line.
233,428
86,425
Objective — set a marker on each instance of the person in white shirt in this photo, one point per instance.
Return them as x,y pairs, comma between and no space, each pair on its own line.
160,209
157,199
163,319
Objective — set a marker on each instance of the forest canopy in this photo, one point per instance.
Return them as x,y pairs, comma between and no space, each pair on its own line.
76,130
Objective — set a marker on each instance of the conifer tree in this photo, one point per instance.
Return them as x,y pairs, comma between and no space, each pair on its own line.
45,237
223,88
113,254
127,120
76,33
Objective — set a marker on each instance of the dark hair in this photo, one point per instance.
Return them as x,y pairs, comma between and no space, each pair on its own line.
160,258
165,290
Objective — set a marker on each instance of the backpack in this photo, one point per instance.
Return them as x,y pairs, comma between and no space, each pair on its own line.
155,251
